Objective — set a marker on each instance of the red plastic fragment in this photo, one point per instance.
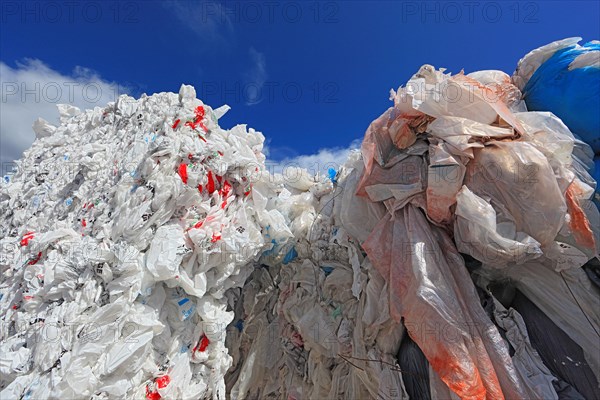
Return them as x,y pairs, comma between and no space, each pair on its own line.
210,186
200,188
154,395
215,238
83,222
163,381
176,123
202,344
28,236
197,121
226,189
200,117
36,259
182,171
199,112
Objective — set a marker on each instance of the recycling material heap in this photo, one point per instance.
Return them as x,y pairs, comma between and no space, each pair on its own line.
149,253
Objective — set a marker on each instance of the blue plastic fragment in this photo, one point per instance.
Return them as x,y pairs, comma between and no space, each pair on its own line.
272,249
187,313
289,257
183,301
327,270
240,325
332,174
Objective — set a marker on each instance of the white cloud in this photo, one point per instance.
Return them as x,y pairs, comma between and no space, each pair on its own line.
317,163
208,19
255,78
32,89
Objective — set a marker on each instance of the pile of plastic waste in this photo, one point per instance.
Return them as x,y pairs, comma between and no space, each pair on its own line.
122,230
465,223
147,252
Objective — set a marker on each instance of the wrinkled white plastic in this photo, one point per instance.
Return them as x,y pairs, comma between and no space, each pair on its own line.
483,234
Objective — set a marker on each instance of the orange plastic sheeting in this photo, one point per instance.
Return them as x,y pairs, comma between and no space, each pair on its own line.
579,224
430,289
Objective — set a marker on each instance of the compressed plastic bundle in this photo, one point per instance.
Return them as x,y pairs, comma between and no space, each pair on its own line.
122,230
319,320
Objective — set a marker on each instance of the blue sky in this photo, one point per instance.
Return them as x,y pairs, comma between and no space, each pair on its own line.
309,75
